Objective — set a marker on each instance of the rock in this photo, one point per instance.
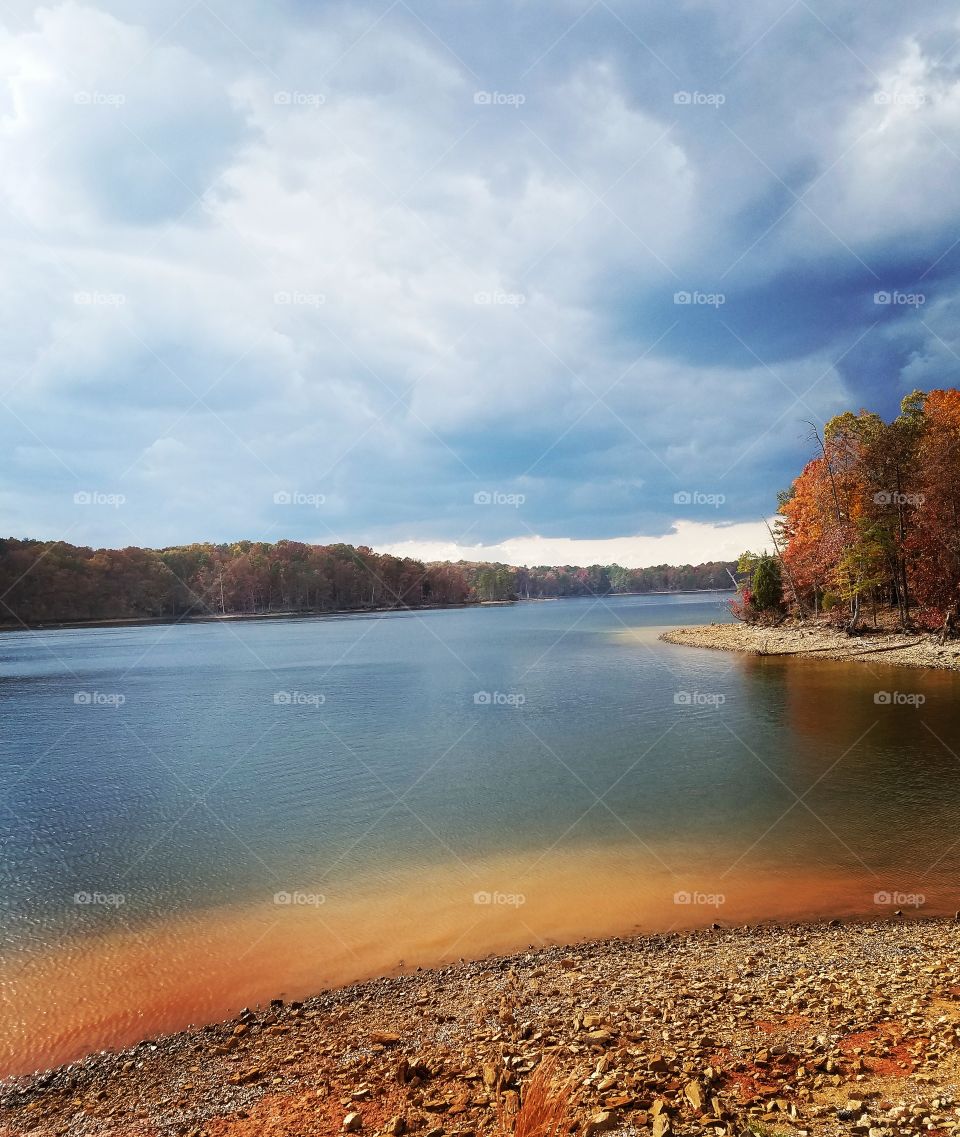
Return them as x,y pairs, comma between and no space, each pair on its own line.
384,1038
598,1037
600,1122
244,1076
661,1125
352,1123
396,1126
694,1095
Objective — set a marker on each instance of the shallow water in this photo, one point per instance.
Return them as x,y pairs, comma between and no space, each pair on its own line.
198,817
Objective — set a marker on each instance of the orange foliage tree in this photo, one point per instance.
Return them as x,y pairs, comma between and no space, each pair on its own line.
875,518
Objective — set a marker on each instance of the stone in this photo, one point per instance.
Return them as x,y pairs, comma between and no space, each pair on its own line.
352,1123
694,1095
600,1122
661,1125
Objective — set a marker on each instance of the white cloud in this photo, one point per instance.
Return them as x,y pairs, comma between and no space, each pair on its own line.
124,130
386,293
893,167
689,542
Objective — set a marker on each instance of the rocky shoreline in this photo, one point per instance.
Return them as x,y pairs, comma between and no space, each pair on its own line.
823,641
770,1030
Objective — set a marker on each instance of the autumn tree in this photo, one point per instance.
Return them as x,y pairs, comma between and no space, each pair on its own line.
874,517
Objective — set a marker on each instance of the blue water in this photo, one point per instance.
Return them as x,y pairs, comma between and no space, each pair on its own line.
184,781
195,766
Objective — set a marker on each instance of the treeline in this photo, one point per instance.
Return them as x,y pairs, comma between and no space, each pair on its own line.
872,523
502,582
51,581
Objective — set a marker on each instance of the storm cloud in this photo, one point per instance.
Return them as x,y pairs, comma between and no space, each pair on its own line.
440,275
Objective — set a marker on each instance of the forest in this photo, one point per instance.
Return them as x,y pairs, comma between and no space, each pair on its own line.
51,581
869,531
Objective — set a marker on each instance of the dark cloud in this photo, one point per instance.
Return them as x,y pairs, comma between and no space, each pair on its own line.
588,255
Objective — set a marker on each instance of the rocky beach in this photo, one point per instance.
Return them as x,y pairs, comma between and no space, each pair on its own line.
766,1030
821,640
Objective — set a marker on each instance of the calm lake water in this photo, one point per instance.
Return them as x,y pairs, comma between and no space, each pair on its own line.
198,817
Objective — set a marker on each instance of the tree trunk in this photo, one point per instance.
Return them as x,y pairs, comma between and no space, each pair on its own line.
949,624
854,615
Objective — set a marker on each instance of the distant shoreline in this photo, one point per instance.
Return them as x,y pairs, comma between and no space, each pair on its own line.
820,641
237,617
225,618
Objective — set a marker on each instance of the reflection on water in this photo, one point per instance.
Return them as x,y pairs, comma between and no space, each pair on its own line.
273,808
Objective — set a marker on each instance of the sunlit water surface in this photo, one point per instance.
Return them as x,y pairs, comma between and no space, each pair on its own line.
199,817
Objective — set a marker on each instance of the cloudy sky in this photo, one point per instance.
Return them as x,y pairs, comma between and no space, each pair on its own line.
565,279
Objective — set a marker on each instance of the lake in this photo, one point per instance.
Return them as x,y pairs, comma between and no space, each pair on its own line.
199,817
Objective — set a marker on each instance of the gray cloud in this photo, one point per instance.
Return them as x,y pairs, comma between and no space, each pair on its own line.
392,257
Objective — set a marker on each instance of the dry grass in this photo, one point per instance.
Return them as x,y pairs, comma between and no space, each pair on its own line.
547,1106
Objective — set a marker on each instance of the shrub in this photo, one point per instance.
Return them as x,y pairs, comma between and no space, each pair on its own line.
767,585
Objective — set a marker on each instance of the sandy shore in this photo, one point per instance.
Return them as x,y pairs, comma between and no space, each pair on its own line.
810,1029
822,641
